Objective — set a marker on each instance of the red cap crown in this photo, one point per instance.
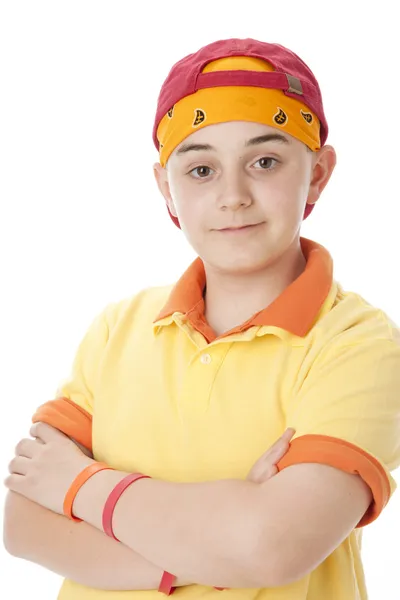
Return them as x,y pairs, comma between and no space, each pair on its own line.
186,77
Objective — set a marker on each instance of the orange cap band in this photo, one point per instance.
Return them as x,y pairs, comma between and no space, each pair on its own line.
209,106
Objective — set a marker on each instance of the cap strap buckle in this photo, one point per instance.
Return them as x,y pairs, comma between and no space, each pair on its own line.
295,86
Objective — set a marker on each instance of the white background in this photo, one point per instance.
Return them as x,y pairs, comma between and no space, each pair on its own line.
83,223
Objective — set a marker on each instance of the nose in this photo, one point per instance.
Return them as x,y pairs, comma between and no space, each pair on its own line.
234,192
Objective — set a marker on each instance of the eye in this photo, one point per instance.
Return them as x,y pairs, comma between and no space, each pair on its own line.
267,159
203,167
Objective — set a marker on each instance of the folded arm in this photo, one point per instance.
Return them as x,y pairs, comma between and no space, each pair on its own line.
73,550
234,533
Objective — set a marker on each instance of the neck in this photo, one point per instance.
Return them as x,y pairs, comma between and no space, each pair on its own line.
232,299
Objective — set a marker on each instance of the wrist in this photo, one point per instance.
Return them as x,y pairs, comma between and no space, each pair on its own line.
92,496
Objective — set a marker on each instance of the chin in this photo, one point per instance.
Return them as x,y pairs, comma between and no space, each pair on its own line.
240,267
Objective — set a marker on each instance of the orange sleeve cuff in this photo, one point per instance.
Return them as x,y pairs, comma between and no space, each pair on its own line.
68,417
343,455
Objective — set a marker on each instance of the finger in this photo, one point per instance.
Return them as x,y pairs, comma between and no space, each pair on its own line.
277,449
270,472
288,434
14,482
19,465
265,474
277,454
45,432
280,447
27,447
285,438
282,441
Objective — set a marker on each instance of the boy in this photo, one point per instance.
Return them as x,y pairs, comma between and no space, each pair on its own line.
188,385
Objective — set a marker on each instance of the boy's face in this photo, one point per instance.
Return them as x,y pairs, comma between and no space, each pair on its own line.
261,188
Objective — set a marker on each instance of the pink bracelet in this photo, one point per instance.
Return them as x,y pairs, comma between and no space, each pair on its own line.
166,582
113,498
108,511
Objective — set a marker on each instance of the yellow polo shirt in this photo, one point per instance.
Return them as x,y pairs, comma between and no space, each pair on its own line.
153,389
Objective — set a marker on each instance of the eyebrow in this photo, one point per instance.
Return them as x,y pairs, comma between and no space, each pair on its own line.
260,139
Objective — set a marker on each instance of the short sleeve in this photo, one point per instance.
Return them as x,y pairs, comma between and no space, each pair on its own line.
79,386
72,408
347,415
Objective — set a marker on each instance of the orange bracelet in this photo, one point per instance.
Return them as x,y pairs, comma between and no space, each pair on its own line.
77,484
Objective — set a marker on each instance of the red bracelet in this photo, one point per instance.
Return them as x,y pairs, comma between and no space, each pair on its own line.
113,498
166,582
108,511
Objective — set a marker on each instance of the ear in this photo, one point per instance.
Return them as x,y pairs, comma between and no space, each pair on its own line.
161,176
324,162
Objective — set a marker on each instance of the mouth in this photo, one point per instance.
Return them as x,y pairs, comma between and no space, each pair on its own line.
239,229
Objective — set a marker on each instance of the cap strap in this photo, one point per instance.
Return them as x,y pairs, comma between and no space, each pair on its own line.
273,80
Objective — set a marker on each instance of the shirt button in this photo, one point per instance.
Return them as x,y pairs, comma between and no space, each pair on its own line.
205,359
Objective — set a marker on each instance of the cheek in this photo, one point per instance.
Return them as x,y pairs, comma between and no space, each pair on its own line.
191,217
285,195
185,209
279,200
191,207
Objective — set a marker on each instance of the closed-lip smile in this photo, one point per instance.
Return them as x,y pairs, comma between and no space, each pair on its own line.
239,227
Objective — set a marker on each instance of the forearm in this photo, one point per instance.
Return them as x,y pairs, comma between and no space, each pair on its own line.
201,532
77,551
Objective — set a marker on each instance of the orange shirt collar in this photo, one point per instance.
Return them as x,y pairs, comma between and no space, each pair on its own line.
295,310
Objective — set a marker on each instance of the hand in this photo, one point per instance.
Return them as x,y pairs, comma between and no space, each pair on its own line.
44,468
265,467
83,448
